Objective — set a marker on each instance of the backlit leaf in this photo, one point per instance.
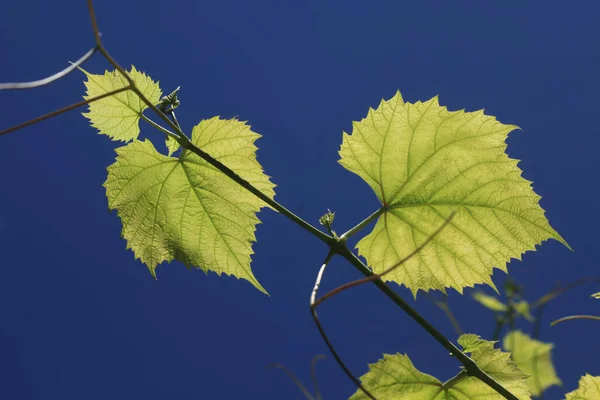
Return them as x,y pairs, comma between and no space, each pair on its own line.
172,145
534,358
118,116
522,308
184,208
490,302
589,389
395,377
424,162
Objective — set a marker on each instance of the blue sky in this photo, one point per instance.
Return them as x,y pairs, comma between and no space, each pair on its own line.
80,318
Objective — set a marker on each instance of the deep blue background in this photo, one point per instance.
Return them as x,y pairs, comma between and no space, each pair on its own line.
80,319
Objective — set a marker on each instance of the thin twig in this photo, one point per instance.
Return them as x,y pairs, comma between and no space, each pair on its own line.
313,375
62,110
562,289
445,307
537,323
540,304
471,366
313,311
572,317
294,379
315,303
373,277
500,321
50,79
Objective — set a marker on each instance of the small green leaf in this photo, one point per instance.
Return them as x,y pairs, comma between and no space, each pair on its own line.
522,308
490,302
117,116
534,358
172,145
589,389
596,295
424,162
186,209
395,377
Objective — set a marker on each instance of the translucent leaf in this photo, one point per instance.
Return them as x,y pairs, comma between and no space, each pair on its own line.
186,209
522,308
172,145
395,377
118,116
490,302
589,389
596,295
424,162
534,358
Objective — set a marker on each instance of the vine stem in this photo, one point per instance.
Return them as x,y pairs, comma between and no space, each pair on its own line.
51,78
572,317
62,110
187,144
294,379
336,245
313,311
445,307
313,375
160,128
470,366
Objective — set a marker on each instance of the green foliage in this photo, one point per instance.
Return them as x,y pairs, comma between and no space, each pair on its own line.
172,145
534,358
117,116
186,209
596,295
395,377
589,389
521,307
490,302
424,162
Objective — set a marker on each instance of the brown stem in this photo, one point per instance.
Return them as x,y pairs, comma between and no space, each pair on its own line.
572,317
313,311
62,110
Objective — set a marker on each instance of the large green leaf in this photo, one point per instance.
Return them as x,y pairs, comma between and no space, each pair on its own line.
589,389
395,377
184,208
534,358
424,162
117,116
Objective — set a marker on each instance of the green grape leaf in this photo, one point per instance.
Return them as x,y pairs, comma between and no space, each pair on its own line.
490,302
589,389
424,162
172,145
395,377
534,358
596,295
117,116
184,208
